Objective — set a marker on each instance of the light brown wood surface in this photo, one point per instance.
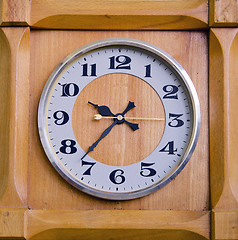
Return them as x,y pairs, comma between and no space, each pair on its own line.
223,13
223,142
106,14
117,225
44,185
5,69
119,14
181,210
12,223
14,94
223,90
14,102
126,14
225,224
14,12
191,185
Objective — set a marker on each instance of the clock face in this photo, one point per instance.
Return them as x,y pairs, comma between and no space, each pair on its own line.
119,118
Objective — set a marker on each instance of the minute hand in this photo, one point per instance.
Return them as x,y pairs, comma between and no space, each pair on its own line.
104,134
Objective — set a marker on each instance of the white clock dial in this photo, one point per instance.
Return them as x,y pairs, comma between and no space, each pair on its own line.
63,136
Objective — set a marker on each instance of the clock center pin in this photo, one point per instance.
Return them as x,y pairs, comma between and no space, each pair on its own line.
120,117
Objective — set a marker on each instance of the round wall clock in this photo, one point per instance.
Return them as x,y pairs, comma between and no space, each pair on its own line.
119,118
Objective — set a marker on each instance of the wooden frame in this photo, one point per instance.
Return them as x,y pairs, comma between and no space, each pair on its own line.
126,14
223,156
17,19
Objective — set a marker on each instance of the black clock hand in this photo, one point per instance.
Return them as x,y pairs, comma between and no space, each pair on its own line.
104,134
103,110
128,108
134,126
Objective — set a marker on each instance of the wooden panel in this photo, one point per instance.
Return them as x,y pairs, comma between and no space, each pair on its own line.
223,13
12,223
106,14
5,69
47,190
14,102
117,225
225,224
223,132
14,12
223,116
127,14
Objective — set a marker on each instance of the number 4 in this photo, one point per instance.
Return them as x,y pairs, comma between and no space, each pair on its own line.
169,147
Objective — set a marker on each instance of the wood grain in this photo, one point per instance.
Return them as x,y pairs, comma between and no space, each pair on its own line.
223,13
225,224
15,91
126,14
14,12
126,146
106,14
47,190
12,223
5,69
223,115
117,225
223,142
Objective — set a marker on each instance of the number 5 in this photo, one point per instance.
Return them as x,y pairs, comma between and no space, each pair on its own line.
145,167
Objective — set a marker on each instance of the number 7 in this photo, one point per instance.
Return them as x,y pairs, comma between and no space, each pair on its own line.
88,171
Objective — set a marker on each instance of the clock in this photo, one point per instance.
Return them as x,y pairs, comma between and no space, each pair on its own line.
119,118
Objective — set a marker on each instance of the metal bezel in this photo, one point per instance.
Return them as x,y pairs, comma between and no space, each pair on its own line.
120,42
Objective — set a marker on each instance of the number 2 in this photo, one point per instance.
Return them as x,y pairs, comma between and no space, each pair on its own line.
171,91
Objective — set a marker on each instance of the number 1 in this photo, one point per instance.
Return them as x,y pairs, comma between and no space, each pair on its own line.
148,70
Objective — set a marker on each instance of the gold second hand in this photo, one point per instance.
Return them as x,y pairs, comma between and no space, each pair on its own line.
120,117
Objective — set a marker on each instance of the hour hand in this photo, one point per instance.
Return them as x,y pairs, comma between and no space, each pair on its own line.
129,107
133,126
103,110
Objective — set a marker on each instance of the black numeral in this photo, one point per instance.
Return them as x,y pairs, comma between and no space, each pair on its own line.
148,70
61,117
169,148
92,72
68,146
116,176
120,62
146,171
176,122
88,171
171,91
69,89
